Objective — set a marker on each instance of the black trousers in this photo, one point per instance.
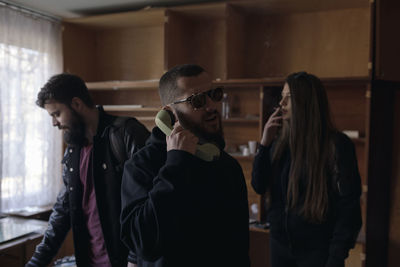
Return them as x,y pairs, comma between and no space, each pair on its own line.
283,256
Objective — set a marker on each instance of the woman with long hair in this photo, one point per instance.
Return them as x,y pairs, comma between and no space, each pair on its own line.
311,172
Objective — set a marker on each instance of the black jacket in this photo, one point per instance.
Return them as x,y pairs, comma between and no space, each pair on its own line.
67,211
178,210
339,232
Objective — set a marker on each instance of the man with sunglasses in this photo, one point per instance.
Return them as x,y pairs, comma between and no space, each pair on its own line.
179,209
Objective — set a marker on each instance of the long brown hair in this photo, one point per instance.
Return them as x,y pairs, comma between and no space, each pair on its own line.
309,136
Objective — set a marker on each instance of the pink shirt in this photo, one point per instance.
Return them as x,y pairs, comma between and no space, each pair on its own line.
97,253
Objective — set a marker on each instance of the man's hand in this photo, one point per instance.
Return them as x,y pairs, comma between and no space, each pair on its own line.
130,264
182,139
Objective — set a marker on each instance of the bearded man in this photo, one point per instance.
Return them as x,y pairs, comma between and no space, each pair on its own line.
179,209
90,200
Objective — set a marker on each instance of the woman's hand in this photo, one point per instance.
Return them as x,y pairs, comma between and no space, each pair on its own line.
271,127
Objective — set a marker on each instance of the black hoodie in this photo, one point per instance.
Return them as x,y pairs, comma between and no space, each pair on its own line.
178,210
338,233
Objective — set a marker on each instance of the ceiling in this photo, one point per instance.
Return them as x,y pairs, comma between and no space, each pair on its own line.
80,8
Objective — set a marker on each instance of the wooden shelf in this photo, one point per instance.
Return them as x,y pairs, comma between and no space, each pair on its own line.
279,81
123,85
252,228
241,120
360,140
239,156
146,118
130,108
273,81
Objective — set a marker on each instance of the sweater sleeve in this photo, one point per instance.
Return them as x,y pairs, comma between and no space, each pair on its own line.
347,205
261,170
243,217
150,201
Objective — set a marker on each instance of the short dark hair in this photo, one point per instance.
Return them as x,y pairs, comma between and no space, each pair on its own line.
62,88
168,87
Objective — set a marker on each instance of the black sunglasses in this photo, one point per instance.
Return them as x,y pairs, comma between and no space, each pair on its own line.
199,100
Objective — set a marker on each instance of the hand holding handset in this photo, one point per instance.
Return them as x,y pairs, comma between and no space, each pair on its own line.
165,120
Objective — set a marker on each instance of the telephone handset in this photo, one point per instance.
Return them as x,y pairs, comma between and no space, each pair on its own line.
165,120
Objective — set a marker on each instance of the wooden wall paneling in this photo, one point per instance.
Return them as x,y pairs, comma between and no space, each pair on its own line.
365,168
367,127
372,37
135,53
261,111
208,41
14,256
332,43
78,51
235,43
387,40
347,104
199,37
145,97
259,248
259,45
125,46
379,173
176,46
394,222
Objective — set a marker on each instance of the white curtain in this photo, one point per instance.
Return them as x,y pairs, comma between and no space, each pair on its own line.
30,148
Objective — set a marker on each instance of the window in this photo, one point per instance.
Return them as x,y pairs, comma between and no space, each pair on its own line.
30,148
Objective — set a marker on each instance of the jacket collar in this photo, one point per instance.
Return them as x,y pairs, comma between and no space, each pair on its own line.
104,122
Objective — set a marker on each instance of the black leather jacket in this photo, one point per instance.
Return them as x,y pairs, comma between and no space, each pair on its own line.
67,211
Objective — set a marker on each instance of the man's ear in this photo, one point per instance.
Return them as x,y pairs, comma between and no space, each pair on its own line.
169,108
77,104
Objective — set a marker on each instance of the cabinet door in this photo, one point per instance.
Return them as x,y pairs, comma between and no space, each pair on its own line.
387,40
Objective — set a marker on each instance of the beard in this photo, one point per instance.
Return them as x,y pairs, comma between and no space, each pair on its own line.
74,131
204,135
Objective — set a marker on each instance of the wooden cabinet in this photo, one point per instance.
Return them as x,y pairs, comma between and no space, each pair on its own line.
249,47
18,251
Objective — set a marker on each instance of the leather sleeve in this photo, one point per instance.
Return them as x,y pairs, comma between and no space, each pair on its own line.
58,227
135,136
